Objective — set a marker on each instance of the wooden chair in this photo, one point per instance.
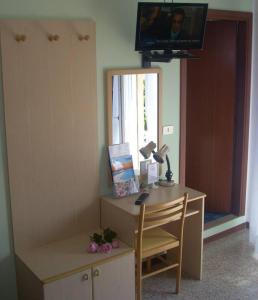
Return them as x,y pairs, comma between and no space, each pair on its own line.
152,241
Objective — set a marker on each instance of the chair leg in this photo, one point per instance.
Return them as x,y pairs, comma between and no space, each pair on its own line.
139,281
139,292
178,279
179,268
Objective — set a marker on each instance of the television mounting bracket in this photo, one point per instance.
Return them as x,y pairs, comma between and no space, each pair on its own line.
166,56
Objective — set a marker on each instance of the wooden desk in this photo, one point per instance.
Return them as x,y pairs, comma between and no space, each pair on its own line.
122,216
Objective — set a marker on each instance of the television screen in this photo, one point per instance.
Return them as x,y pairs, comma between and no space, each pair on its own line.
170,26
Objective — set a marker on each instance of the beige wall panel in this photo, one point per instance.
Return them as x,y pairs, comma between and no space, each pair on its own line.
51,126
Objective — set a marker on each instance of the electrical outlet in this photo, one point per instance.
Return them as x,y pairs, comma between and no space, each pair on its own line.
168,130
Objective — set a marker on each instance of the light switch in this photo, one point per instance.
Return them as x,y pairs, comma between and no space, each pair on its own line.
168,130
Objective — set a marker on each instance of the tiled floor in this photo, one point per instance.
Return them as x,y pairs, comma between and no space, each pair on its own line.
229,272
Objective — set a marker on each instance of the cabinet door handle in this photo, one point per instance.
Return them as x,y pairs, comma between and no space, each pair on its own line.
96,273
85,277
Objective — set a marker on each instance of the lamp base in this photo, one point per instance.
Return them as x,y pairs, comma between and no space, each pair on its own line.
166,183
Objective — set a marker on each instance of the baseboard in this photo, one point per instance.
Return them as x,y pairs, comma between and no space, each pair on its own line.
226,232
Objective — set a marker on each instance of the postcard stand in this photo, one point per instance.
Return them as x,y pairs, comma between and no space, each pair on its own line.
121,163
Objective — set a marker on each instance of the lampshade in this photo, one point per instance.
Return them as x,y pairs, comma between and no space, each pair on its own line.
160,155
147,150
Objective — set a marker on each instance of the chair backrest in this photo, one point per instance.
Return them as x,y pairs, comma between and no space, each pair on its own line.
156,215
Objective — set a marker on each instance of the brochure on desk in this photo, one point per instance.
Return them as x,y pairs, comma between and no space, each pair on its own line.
121,163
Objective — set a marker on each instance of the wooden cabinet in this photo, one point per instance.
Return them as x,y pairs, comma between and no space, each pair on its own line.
78,286
63,270
109,281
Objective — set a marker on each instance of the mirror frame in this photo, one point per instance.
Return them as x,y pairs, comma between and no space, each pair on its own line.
113,72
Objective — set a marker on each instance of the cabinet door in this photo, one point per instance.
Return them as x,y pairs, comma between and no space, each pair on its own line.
115,279
78,286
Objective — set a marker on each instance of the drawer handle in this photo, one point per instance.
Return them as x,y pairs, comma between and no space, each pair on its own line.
85,277
96,273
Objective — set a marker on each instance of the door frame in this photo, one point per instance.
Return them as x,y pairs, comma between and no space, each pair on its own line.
246,18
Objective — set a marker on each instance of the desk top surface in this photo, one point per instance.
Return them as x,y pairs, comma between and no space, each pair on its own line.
157,196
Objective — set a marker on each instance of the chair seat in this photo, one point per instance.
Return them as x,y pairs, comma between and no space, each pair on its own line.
157,240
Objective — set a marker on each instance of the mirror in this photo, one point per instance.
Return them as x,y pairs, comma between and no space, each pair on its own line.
134,108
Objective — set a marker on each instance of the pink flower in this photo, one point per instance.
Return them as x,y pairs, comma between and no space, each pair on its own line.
93,247
115,244
105,248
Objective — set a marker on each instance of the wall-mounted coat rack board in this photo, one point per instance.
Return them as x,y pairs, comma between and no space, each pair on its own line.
49,80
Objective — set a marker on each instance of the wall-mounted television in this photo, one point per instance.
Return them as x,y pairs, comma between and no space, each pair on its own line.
170,26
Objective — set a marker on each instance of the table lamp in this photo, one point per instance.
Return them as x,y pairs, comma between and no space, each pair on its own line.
159,157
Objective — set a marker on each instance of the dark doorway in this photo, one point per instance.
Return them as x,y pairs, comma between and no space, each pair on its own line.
215,92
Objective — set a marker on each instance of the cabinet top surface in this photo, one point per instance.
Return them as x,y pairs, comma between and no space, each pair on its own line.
157,196
64,258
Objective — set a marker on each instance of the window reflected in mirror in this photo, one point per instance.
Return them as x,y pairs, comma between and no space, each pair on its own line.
135,111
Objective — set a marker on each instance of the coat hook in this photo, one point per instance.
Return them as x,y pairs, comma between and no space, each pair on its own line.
56,37
20,37
53,37
83,37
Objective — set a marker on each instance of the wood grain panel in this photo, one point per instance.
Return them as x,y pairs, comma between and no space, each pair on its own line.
210,116
121,285
239,131
67,257
244,59
51,127
78,286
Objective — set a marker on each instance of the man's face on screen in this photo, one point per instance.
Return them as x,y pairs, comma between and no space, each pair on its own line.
177,23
